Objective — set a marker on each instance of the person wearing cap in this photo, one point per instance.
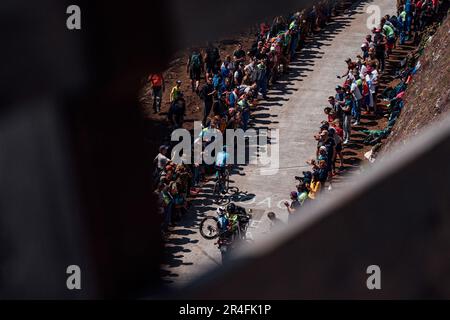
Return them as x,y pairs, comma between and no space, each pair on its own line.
355,89
380,47
324,125
365,50
339,101
322,154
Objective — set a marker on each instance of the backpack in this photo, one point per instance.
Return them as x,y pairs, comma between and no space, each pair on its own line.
195,61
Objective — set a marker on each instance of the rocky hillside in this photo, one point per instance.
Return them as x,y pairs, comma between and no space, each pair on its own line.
427,97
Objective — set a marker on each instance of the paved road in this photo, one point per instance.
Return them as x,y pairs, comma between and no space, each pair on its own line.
295,108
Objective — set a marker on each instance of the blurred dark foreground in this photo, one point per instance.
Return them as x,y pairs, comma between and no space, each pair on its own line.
75,167
75,162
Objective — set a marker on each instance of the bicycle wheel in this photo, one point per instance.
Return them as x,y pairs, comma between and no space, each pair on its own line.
209,227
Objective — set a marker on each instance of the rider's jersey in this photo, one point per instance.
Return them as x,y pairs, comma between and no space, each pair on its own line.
223,222
233,217
228,222
222,159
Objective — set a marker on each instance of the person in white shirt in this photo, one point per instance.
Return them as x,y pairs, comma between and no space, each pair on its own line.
362,71
161,159
250,70
354,89
372,81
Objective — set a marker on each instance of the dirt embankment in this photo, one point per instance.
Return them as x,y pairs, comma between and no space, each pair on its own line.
427,98
178,71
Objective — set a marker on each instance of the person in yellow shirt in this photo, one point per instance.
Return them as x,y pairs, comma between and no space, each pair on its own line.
176,92
314,186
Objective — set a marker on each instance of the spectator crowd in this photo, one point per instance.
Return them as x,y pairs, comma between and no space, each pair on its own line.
231,86
359,94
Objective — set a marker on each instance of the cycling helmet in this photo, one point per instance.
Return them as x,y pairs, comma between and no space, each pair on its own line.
231,208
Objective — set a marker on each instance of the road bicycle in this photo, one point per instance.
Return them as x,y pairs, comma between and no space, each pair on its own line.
222,184
228,235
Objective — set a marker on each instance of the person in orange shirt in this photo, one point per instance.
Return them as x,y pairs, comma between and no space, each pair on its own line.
157,83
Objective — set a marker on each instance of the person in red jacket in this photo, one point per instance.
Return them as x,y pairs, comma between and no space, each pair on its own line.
157,82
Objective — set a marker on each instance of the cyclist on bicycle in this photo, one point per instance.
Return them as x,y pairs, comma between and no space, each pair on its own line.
235,213
221,163
230,224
